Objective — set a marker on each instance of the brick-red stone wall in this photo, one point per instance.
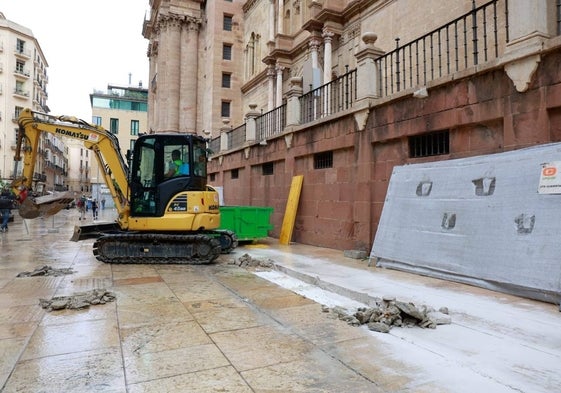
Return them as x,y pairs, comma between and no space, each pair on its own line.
340,206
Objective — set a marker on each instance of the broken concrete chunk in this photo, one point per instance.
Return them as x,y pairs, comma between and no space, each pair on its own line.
46,271
439,318
411,310
378,327
78,301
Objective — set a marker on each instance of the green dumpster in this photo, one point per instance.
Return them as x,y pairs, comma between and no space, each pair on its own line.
247,222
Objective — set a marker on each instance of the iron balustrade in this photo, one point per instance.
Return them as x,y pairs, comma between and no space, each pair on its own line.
335,96
214,146
270,123
236,137
465,42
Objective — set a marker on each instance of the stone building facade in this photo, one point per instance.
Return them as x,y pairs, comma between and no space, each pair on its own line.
342,91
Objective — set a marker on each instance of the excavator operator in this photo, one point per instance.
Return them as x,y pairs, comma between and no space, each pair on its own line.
176,165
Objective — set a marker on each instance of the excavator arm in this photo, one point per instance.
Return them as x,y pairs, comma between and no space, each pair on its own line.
102,142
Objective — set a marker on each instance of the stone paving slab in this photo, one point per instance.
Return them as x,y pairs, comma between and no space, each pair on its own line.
221,327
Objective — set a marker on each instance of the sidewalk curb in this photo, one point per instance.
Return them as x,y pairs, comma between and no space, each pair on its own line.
360,297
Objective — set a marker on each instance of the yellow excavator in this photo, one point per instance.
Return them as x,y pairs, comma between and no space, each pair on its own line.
166,211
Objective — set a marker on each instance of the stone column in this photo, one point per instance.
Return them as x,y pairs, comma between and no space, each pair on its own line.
270,88
169,68
152,87
279,69
327,38
314,46
162,106
189,69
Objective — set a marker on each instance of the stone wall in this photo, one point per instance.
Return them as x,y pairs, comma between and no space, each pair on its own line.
340,206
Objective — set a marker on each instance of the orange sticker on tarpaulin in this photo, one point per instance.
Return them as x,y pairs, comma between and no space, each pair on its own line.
549,171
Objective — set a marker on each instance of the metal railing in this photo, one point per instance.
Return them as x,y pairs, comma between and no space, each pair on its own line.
335,96
466,41
236,137
270,123
214,146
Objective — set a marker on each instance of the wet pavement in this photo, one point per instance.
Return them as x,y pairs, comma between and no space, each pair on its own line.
224,328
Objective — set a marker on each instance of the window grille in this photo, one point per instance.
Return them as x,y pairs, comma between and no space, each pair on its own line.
323,160
267,168
431,144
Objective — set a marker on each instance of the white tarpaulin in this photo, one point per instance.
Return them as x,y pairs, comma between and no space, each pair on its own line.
478,220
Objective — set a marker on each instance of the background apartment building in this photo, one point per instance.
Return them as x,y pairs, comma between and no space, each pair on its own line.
122,110
23,84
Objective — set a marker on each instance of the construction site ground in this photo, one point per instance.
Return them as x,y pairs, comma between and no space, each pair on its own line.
260,319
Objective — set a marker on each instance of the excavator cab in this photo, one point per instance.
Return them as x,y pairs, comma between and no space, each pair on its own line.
163,165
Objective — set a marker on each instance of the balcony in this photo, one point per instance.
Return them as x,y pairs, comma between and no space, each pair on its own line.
21,94
22,53
22,73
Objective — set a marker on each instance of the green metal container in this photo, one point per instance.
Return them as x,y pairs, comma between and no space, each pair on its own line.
247,222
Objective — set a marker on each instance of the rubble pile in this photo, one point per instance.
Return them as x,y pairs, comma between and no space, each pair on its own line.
78,301
389,312
46,271
247,261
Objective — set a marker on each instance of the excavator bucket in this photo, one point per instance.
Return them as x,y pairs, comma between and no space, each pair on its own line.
44,206
93,231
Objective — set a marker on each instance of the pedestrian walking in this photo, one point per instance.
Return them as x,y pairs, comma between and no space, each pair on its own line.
81,205
6,205
102,203
94,209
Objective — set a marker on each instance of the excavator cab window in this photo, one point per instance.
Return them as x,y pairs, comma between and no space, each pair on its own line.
163,166
144,179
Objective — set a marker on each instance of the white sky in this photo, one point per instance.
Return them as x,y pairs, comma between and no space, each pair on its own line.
87,45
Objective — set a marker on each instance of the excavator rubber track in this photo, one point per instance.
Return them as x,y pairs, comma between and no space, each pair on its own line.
138,248
228,239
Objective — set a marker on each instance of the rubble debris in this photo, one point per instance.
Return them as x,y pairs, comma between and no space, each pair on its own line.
46,271
78,301
389,312
248,261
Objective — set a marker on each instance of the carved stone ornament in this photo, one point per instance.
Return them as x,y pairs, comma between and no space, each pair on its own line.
521,71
